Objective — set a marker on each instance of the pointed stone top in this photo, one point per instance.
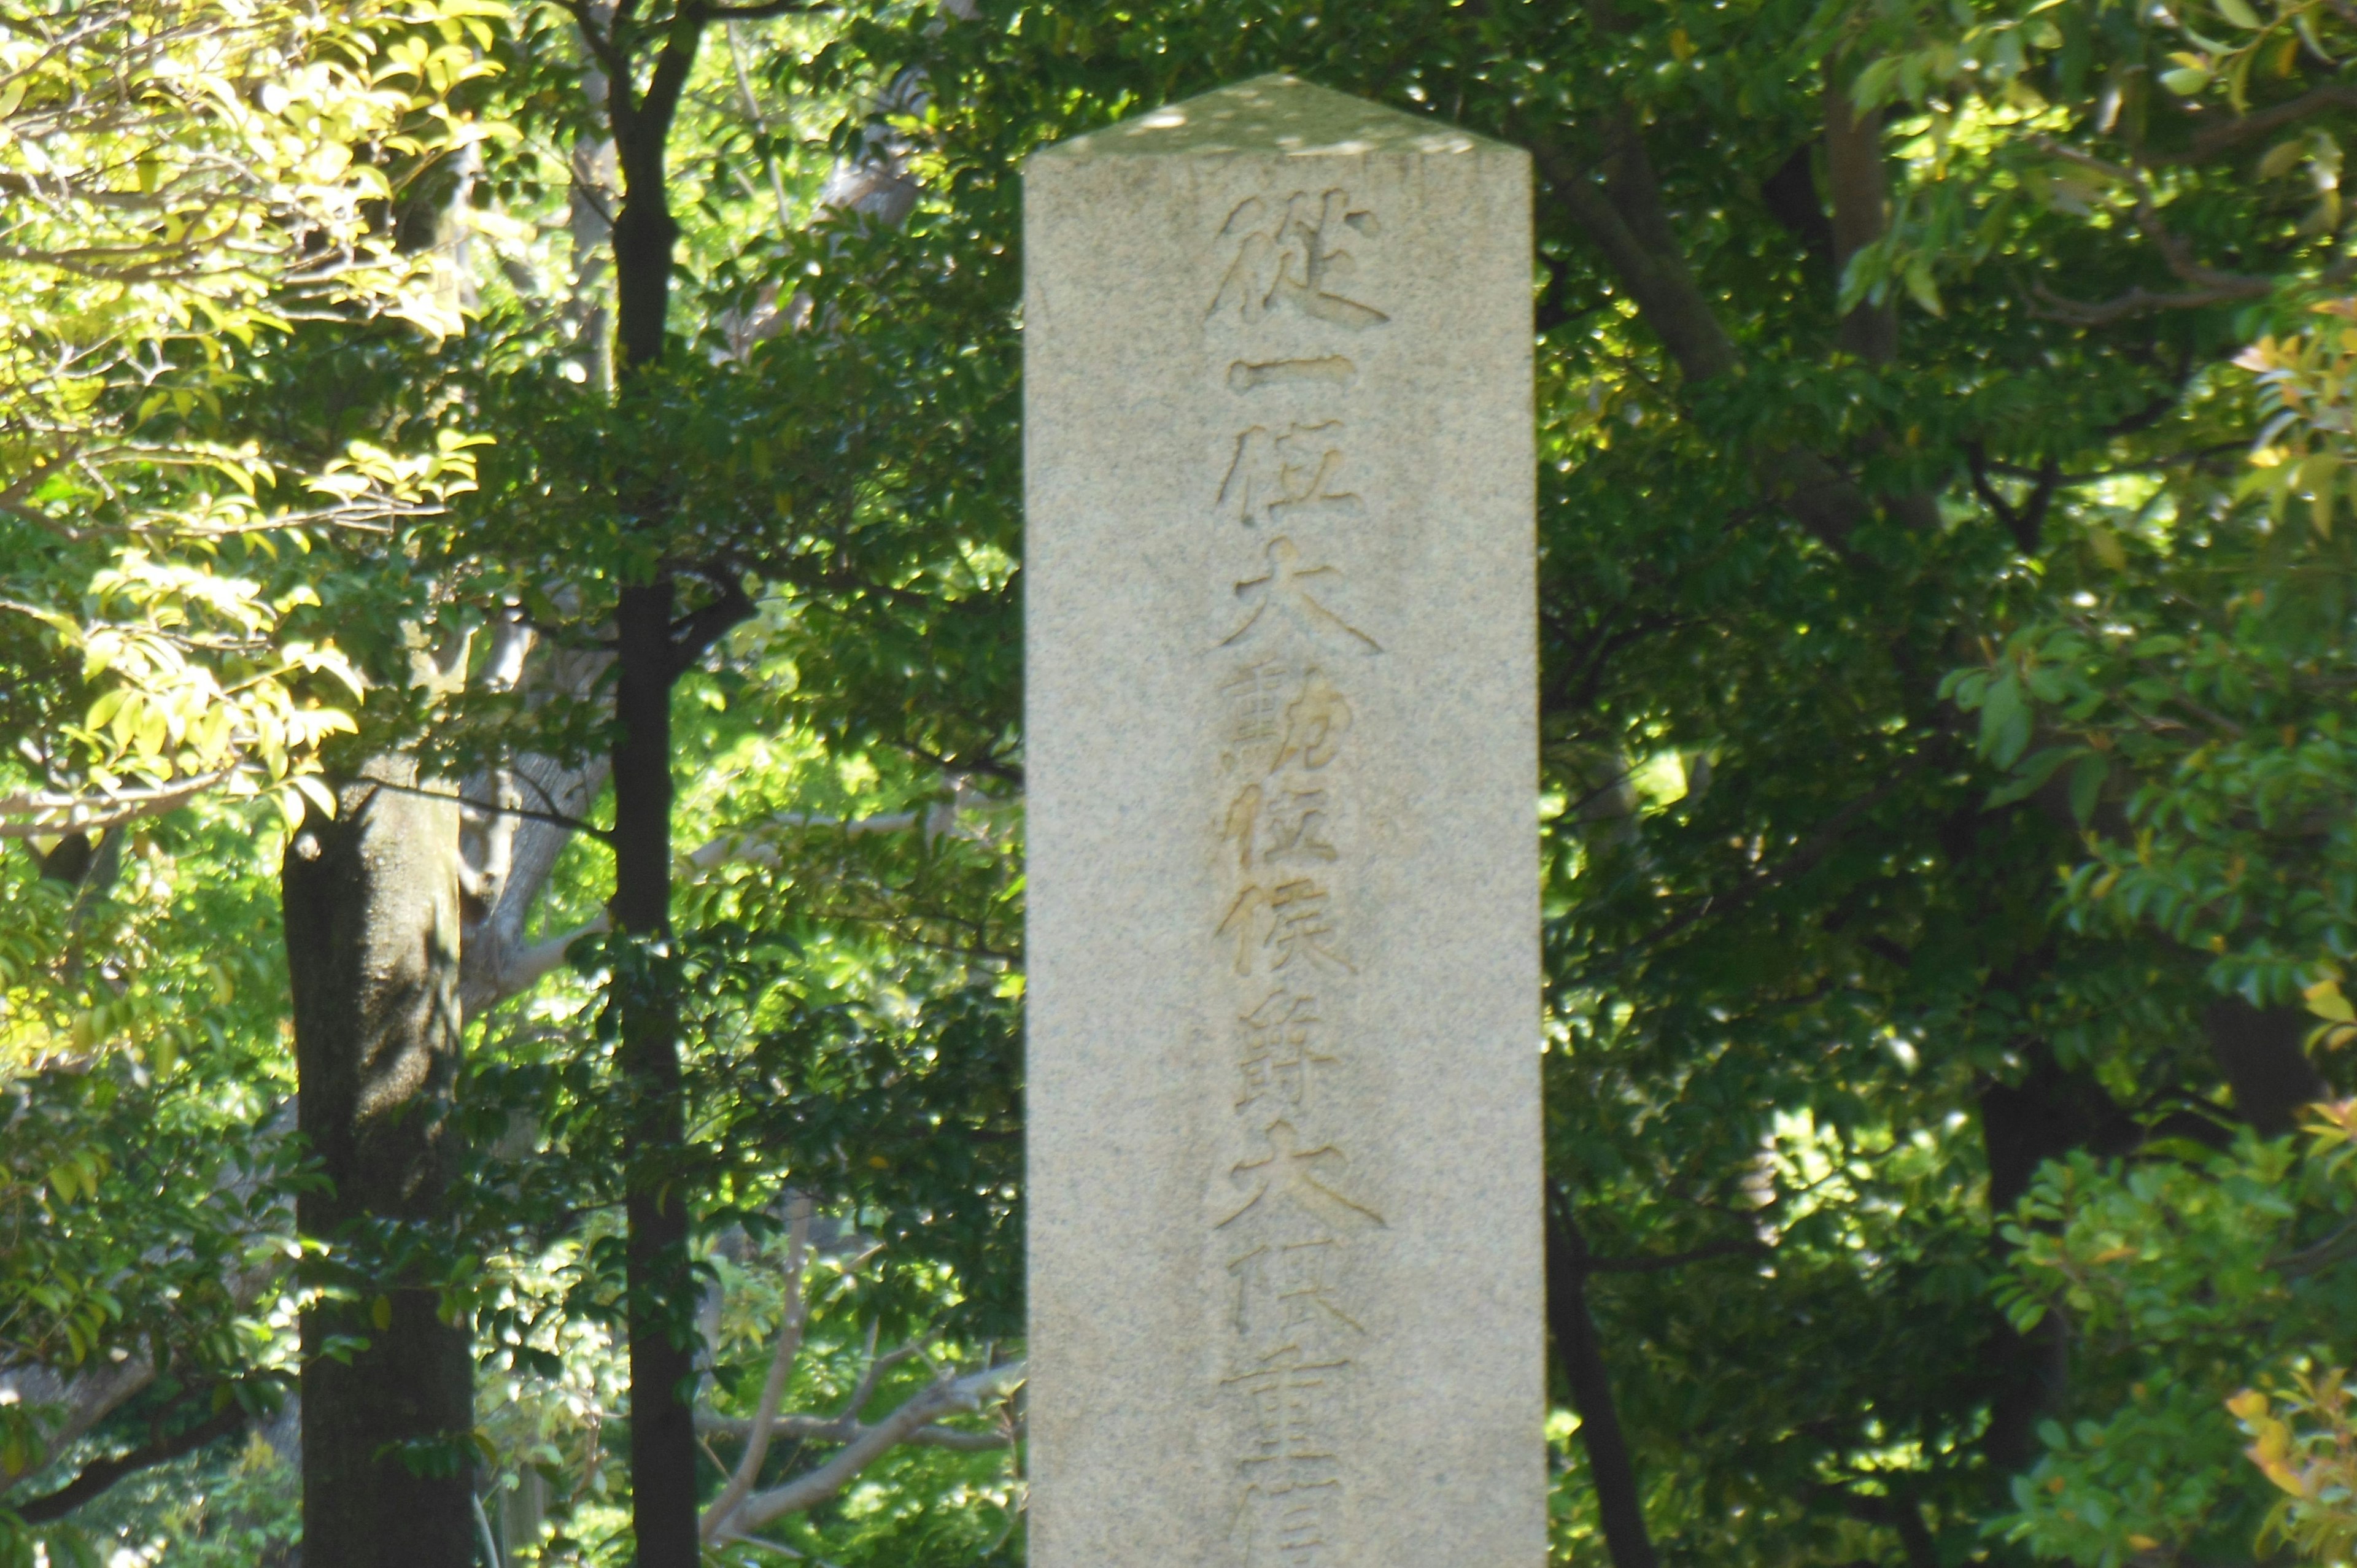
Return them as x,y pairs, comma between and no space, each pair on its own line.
1279,115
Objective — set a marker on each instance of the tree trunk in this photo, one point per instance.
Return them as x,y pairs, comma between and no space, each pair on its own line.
371,908
1618,1504
2262,1054
662,1294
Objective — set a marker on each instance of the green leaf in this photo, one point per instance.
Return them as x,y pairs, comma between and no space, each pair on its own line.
2087,785
2005,720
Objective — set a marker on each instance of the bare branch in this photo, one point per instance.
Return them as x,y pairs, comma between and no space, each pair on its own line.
773,1387
836,1429
52,813
2142,301
943,1397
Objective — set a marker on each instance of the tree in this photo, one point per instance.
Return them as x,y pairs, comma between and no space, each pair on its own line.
1856,325
1945,801
184,180
373,935
160,217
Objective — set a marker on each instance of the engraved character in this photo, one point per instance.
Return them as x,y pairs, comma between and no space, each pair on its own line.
1277,1051
1288,585
1315,724
1254,699
1301,926
1246,921
1280,1524
1292,1176
1292,920
1277,475
1306,1301
1292,258
1242,823
1297,825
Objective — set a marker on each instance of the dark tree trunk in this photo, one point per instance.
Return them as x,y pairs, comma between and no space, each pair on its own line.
2051,1111
2262,1054
662,1294
1618,1504
662,1288
1860,188
371,908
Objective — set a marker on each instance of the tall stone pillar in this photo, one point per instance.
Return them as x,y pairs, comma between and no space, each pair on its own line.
1281,773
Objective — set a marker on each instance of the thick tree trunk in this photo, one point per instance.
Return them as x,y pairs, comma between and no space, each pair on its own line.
1620,1505
371,907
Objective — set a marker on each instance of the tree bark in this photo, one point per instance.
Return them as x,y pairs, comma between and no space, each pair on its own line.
1620,1505
662,1294
2051,1111
2262,1055
1860,188
371,908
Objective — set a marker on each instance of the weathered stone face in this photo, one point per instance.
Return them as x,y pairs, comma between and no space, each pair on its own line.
1281,775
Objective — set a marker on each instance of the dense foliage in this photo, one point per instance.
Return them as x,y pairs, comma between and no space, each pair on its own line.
1948,501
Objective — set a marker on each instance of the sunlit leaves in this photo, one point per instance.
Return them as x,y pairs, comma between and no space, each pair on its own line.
183,178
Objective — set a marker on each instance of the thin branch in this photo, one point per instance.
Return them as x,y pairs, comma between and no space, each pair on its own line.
921,1409
1653,1265
1804,858
834,1429
763,12
492,808
773,1387
601,40
761,127
87,813
2221,138
2208,285
2141,301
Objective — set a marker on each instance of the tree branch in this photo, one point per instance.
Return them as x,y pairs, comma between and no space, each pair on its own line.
774,8
1673,306
496,808
1620,1501
836,1429
95,813
939,1397
2141,301
773,1387
2222,138
1805,857
708,624
2026,523
1588,1263
1826,501
100,1474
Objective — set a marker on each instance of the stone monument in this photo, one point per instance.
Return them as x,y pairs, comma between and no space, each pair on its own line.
1281,779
